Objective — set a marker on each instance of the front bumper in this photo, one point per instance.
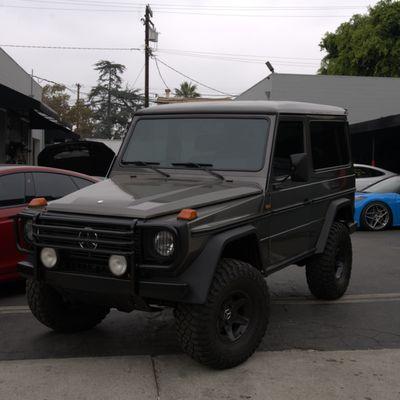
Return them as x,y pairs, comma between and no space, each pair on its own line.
110,291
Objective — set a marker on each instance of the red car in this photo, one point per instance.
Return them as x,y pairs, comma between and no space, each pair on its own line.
18,186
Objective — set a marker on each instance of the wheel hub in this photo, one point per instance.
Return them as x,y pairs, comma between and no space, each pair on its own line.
227,314
377,216
234,317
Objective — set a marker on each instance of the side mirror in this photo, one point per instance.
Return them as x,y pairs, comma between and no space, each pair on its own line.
300,168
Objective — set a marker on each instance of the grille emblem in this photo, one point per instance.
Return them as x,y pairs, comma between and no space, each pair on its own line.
88,239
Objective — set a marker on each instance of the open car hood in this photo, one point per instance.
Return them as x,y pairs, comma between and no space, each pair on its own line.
86,157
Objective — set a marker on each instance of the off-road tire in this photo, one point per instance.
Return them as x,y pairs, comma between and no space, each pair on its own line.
322,270
198,326
52,310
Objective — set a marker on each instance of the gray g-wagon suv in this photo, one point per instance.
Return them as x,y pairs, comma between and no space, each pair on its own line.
202,203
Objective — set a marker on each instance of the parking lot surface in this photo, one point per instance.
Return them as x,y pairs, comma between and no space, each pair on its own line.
366,319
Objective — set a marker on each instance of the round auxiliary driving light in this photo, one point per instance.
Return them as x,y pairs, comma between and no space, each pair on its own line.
164,243
48,256
118,265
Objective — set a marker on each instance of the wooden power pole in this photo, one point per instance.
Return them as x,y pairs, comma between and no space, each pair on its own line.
147,52
78,92
78,109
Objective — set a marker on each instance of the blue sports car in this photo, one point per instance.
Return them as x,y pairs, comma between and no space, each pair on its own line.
377,207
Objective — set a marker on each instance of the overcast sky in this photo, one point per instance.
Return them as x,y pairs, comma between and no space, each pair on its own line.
286,32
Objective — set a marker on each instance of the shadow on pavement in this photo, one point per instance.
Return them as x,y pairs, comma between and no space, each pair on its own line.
13,288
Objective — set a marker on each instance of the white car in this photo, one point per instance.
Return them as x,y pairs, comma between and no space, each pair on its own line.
367,175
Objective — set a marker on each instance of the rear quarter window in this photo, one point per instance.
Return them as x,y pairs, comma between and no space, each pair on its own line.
363,172
329,144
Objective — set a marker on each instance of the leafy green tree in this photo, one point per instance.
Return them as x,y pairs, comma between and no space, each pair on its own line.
113,105
367,45
188,90
80,116
57,98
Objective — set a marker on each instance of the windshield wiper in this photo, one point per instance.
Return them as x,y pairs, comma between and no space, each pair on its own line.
147,164
202,166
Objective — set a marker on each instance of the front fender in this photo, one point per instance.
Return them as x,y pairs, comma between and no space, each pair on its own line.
200,273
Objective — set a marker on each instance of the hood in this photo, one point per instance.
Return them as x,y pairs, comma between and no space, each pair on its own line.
86,157
125,196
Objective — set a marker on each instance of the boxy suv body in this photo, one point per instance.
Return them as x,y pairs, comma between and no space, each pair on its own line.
202,203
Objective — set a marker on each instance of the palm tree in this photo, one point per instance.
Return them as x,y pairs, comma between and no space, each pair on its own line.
187,89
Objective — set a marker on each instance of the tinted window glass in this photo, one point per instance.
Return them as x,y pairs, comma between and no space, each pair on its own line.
81,183
29,187
12,190
289,140
390,185
363,172
52,186
329,144
226,144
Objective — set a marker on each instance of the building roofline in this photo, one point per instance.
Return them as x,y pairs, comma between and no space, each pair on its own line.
256,84
19,67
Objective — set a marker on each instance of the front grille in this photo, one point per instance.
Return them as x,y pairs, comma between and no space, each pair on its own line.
85,243
90,235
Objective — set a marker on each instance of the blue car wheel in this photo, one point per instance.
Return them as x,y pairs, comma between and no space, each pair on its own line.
376,216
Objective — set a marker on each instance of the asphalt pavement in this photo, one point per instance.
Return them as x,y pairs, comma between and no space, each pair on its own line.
366,320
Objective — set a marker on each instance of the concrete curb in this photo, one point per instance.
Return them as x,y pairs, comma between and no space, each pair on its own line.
287,375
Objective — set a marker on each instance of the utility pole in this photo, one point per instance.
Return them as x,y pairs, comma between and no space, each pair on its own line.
78,87
147,52
78,111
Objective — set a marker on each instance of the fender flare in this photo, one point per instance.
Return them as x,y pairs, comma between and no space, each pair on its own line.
333,209
200,273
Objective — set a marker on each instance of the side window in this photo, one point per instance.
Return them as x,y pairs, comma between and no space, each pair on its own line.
289,140
12,190
53,186
29,187
362,172
329,144
81,183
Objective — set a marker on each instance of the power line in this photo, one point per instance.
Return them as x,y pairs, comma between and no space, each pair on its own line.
242,60
159,72
192,79
72,47
175,12
56,83
236,54
138,76
231,57
214,7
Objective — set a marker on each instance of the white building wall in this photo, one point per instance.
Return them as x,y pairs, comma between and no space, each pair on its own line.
15,77
37,144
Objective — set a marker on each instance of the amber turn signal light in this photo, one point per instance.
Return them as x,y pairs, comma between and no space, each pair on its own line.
38,202
187,214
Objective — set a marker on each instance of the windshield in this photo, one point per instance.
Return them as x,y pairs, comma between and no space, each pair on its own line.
389,185
220,143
